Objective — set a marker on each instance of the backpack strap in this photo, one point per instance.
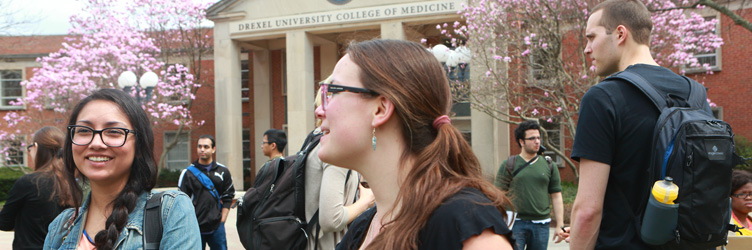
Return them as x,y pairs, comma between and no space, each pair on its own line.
524,166
511,161
638,81
208,184
698,96
153,222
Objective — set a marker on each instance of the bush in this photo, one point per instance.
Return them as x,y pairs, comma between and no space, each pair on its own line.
168,177
568,193
744,149
8,176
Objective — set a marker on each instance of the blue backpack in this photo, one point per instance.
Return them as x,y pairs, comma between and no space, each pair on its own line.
208,184
697,151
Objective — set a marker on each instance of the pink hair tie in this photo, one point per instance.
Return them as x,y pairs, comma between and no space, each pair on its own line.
441,120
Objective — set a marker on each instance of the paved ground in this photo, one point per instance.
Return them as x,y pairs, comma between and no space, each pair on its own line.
233,242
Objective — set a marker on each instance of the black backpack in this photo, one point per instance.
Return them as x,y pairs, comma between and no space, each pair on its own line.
153,222
697,151
271,214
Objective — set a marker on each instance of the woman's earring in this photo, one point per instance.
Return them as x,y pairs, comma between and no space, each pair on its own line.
373,139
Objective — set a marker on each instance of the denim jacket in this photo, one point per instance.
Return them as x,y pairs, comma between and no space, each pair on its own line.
180,228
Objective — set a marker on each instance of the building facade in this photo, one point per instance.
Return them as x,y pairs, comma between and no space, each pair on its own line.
270,55
307,39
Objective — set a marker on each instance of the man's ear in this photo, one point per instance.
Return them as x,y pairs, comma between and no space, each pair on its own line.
383,111
622,33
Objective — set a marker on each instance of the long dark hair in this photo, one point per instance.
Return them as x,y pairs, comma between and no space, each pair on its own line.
411,78
143,173
48,162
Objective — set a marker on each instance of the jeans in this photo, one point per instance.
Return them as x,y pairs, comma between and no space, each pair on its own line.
217,240
534,235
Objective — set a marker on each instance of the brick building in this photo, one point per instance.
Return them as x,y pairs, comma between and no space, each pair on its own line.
259,67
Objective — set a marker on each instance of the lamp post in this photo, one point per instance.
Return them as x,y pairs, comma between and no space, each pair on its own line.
127,80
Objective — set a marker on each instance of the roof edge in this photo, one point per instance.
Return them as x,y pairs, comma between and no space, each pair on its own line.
213,11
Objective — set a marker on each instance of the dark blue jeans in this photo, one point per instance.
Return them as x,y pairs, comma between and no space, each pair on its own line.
532,235
217,240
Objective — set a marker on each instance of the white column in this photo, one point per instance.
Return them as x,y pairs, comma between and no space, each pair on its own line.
328,59
392,30
228,104
300,93
262,103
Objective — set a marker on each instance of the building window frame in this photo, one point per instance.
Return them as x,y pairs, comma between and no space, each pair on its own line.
245,76
5,81
15,155
554,134
247,147
712,56
177,164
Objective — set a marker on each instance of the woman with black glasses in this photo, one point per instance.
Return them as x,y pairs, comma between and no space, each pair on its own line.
741,201
111,144
37,198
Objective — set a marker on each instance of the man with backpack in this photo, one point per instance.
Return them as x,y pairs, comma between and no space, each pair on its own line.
209,184
617,144
535,185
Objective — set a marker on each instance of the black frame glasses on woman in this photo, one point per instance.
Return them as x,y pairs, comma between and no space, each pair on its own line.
112,137
328,90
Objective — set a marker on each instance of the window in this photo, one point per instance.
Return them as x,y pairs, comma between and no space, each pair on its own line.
179,156
246,149
10,88
459,74
553,130
711,58
14,156
538,73
244,93
717,112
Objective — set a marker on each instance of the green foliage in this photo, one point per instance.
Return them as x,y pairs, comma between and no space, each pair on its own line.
568,191
168,177
744,149
8,176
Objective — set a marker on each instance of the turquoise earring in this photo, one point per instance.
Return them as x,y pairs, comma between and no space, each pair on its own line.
373,139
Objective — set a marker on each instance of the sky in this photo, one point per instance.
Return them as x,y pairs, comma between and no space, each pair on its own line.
51,16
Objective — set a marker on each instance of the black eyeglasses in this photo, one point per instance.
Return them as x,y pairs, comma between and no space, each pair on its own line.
112,137
742,195
265,142
328,90
28,148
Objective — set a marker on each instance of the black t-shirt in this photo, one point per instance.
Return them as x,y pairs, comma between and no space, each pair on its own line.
615,127
460,217
29,210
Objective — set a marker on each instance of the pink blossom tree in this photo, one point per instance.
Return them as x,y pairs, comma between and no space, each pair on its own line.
529,55
111,37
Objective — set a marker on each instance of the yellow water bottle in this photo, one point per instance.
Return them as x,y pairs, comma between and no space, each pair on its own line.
661,214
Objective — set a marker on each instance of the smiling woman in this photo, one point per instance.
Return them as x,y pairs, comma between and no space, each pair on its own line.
119,166
398,92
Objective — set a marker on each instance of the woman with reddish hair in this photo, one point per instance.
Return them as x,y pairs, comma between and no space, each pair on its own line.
384,114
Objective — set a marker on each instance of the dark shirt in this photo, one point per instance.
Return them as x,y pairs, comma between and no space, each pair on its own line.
203,167
615,127
460,217
29,210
